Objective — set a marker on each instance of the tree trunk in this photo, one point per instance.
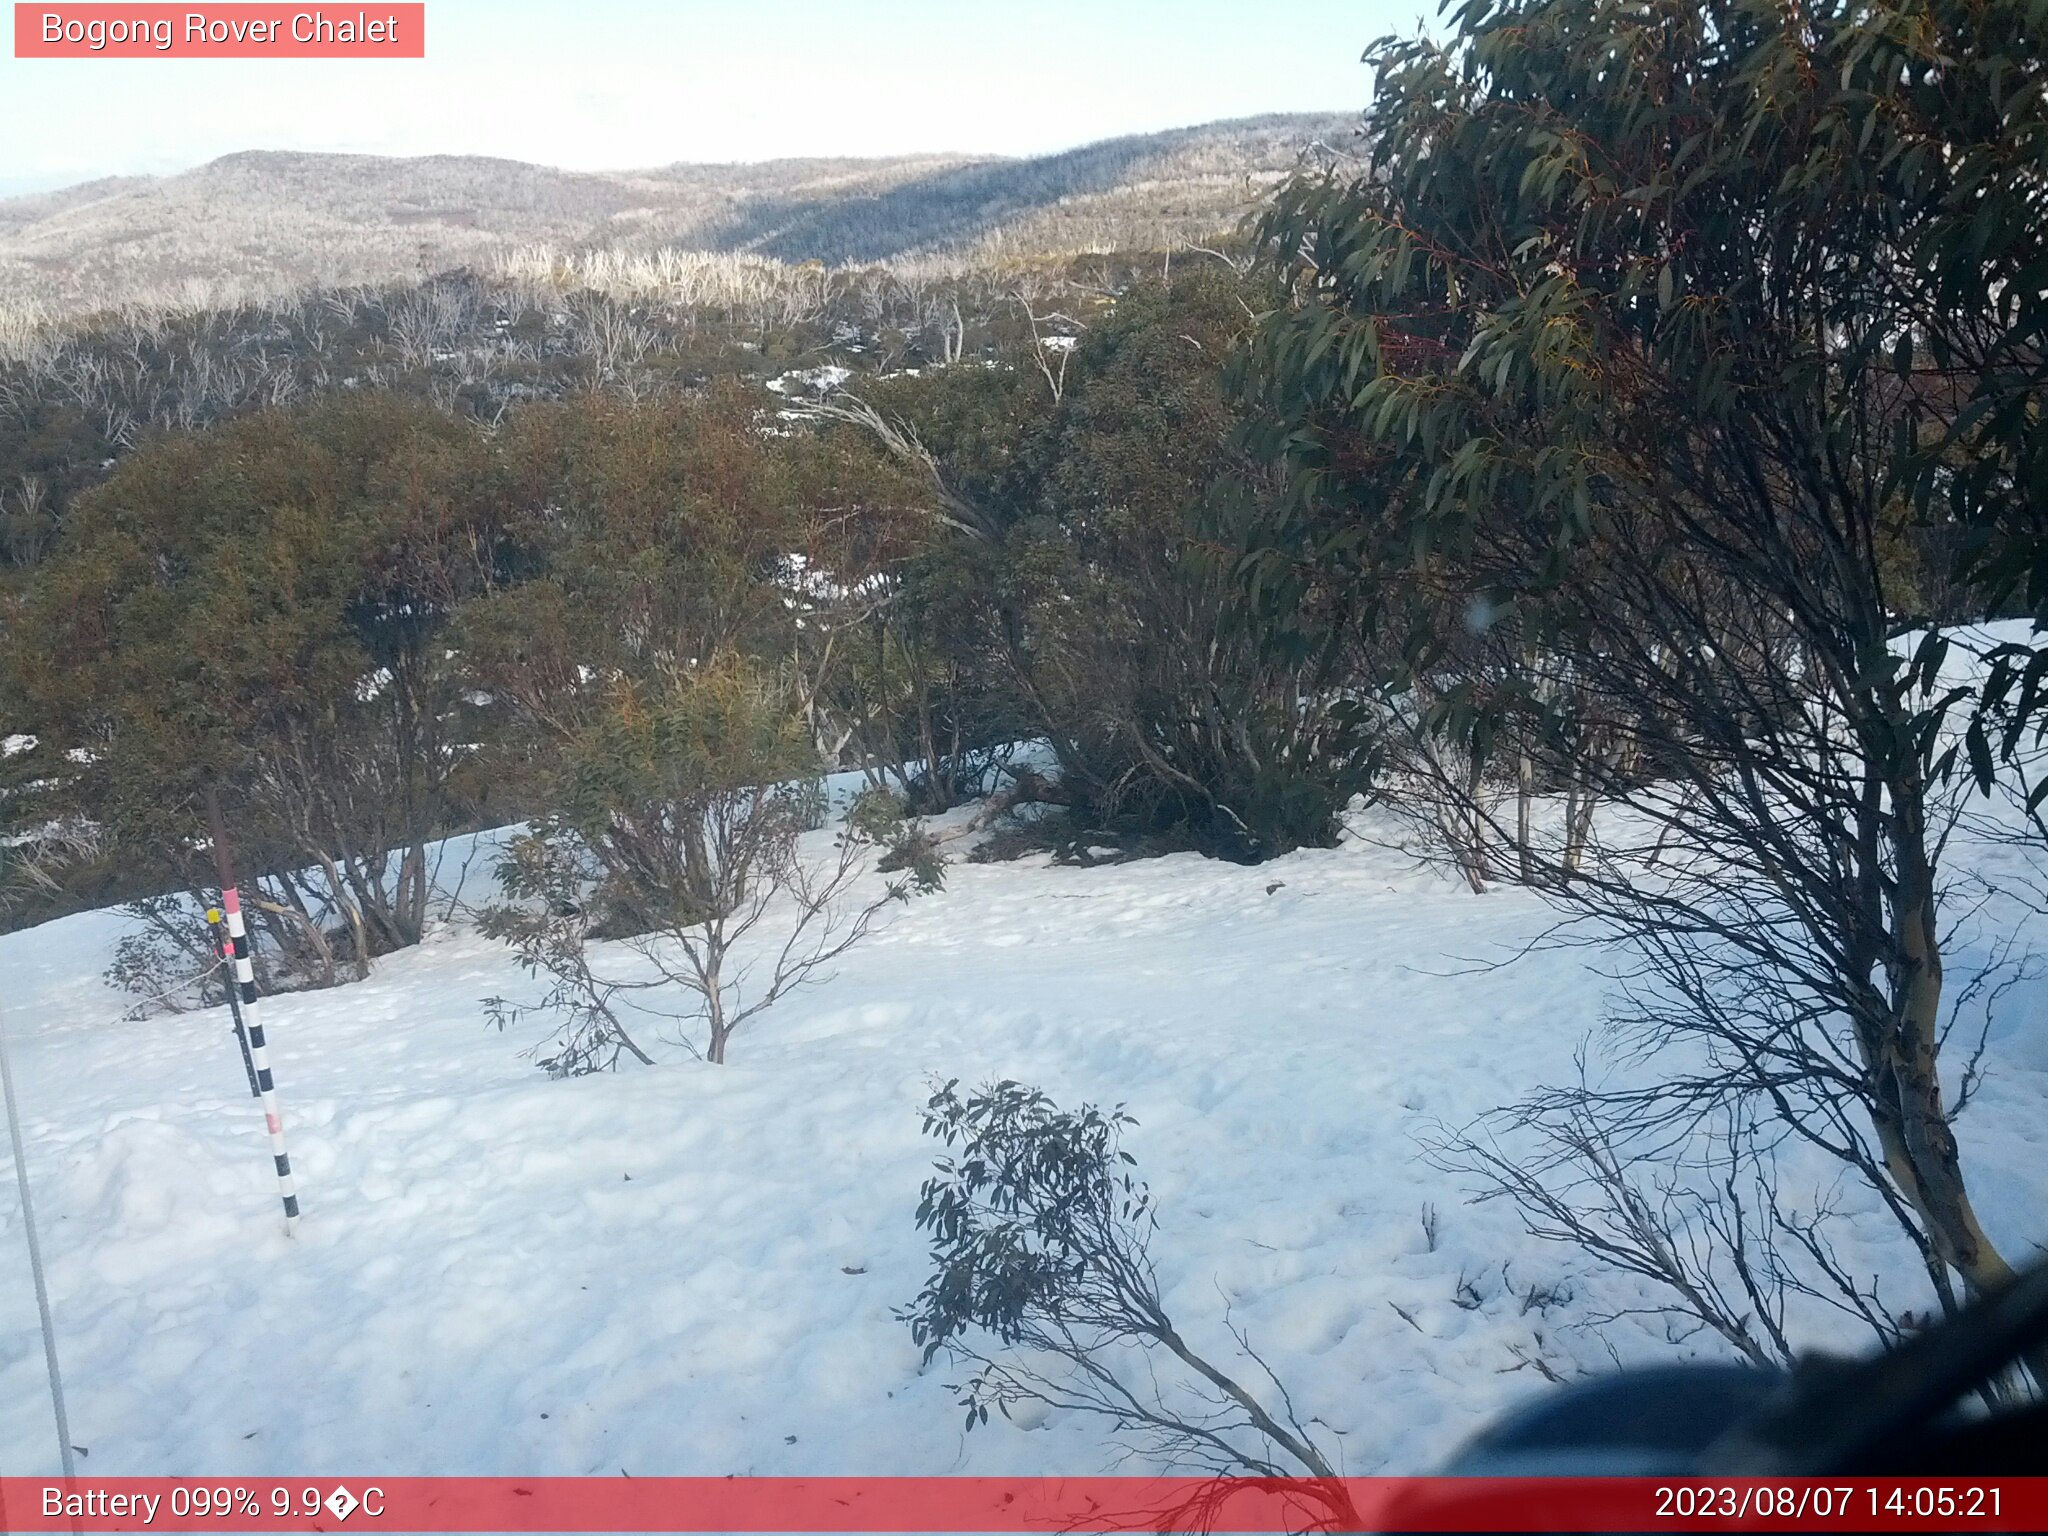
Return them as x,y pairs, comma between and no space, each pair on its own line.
1525,794
714,1009
1922,1140
1474,829
340,887
1908,1111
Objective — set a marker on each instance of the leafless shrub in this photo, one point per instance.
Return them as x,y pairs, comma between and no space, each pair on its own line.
1690,1204
165,964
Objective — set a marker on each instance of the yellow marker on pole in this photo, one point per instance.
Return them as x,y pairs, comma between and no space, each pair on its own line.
223,951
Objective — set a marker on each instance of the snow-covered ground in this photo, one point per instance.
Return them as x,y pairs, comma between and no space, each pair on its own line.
692,1269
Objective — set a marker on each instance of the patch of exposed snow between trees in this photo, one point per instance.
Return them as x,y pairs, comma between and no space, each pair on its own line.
811,382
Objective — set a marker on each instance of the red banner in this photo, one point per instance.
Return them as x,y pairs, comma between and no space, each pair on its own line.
375,31
950,1504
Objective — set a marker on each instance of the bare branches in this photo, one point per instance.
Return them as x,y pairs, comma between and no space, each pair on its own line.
761,884
901,442
1050,350
678,836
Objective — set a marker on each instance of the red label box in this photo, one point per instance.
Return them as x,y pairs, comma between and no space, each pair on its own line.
242,31
1022,1506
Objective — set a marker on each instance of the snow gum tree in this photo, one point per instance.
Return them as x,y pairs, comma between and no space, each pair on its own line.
1042,1286
1085,499
1663,340
679,813
261,611
664,672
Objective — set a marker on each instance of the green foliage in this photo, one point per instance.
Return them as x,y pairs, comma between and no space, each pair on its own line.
550,884
1096,599
1610,400
262,610
1597,232
877,816
165,961
1039,1229
655,526
676,816
675,784
665,534
1036,1202
714,730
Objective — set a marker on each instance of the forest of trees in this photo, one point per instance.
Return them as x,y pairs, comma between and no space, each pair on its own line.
1619,439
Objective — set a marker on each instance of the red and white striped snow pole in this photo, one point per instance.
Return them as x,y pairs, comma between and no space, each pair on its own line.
259,1055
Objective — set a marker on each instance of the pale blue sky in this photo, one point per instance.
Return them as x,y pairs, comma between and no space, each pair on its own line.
594,84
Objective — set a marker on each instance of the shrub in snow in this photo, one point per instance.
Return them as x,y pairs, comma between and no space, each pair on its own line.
1043,1287
878,816
1089,498
685,804
166,964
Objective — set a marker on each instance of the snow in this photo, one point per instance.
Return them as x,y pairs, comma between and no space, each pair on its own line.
692,1269
819,381
798,575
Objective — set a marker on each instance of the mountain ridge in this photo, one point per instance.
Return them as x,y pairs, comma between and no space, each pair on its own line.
259,222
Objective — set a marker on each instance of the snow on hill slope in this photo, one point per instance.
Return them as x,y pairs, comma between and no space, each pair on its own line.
692,1269
261,223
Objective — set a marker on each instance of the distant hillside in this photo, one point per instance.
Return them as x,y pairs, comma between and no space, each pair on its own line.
258,223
